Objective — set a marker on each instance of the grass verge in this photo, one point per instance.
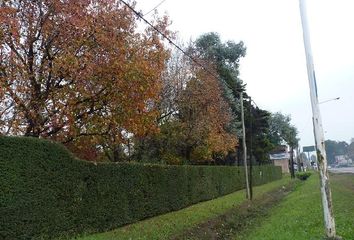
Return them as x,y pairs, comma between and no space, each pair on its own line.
300,216
239,219
175,223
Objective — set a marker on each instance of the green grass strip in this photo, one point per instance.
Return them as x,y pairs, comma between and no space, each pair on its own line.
174,223
299,216
343,203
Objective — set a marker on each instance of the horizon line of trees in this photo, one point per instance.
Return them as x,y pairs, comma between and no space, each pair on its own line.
337,148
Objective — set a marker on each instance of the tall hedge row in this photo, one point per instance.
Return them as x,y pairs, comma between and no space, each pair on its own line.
47,193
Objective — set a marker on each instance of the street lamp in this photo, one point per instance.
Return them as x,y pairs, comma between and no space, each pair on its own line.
332,99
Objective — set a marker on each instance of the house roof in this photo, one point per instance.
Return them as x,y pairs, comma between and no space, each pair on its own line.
279,156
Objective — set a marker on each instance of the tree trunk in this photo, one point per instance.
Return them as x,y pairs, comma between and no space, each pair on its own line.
117,153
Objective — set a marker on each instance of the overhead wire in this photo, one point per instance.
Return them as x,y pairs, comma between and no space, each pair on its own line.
141,16
167,38
158,5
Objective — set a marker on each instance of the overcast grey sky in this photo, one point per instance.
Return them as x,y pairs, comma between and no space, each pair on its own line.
274,67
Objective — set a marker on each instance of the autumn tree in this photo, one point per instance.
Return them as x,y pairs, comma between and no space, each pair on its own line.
201,98
205,118
73,70
225,58
194,117
174,80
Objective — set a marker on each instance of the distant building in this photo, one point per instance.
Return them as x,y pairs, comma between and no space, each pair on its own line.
280,157
342,160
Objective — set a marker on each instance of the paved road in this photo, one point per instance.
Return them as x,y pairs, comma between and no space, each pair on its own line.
342,170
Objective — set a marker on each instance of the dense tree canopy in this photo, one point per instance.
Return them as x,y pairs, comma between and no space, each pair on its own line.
282,130
205,117
225,58
195,118
73,69
258,131
85,73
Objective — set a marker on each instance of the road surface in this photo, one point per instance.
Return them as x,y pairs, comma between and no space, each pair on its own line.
342,170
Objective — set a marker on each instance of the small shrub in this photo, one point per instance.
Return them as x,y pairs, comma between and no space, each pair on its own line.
303,175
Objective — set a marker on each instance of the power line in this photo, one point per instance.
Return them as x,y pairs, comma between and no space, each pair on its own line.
154,7
171,41
168,38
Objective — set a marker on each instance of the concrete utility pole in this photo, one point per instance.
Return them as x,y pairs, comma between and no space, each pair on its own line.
318,130
244,147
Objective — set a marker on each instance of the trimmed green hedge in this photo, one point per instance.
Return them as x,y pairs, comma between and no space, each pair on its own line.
47,193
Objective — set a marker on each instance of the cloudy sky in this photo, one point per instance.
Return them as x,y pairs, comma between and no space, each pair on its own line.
274,67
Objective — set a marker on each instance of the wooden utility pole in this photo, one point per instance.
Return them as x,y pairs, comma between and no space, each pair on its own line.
251,146
244,147
318,130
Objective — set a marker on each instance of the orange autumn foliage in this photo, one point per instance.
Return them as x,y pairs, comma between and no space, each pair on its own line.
78,69
205,117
